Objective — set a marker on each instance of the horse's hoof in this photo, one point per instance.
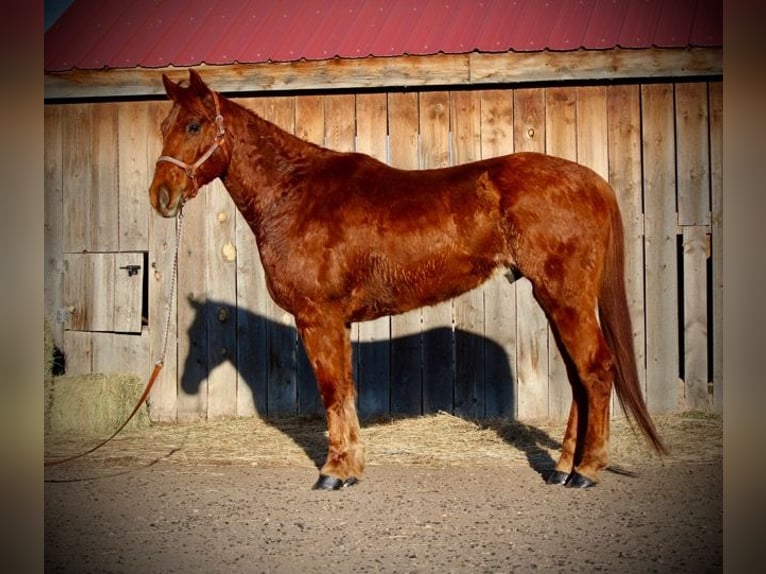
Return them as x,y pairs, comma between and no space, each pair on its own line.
326,482
577,480
557,477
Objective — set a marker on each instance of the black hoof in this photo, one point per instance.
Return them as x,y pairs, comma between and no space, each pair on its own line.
577,480
326,482
557,477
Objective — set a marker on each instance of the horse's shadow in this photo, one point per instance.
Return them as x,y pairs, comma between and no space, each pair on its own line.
441,369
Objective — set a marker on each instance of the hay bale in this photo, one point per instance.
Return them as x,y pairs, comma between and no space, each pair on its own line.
93,404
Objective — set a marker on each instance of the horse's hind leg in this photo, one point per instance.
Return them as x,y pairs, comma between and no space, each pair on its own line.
584,449
328,346
566,462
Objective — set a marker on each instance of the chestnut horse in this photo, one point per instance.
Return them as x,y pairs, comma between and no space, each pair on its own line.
345,238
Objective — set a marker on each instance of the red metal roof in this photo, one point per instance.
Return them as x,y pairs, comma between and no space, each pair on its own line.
96,34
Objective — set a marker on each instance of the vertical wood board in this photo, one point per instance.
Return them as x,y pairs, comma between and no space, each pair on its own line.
53,223
661,279
561,139
78,349
592,144
128,292
193,309
438,340
77,159
695,309
281,336
499,294
221,292
104,207
692,153
406,342
135,173
121,353
252,300
624,135
531,324
163,405
373,357
470,388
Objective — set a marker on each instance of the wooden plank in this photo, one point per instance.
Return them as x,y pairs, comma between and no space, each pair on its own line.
281,336
438,340
101,298
122,353
662,353
406,342
104,207
76,292
408,70
77,122
251,324
135,174
309,125
89,294
496,122
692,153
162,242
695,255
252,299
192,312
715,98
561,122
609,65
373,350
561,130
78,352
128,292
339,128
624,137
531,325
53,223
592,141
499,295
470,384
339,135
592,138
309,118
222,296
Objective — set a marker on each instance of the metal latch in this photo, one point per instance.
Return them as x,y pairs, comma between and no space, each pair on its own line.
132,269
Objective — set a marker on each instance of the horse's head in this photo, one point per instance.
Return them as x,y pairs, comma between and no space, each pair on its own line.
194,145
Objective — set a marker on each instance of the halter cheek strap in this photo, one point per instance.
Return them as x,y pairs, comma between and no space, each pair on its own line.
217,142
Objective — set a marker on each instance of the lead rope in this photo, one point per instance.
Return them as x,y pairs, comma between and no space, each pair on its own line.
158,365
172,286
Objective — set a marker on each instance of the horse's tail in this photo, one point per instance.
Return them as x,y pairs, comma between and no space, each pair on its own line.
618,331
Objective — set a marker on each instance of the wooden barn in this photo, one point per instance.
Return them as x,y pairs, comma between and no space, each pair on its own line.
631,88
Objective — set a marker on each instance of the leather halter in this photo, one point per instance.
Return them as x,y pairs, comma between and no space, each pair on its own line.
217,142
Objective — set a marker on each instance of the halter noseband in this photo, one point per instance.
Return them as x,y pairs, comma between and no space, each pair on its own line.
217,141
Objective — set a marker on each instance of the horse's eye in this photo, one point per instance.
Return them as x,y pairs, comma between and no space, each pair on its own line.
193,128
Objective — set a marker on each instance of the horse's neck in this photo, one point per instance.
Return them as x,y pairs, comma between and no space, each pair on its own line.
263,158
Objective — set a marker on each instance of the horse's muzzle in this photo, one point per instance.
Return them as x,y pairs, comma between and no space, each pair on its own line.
164,201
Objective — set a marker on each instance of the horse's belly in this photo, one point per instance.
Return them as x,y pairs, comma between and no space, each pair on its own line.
393,289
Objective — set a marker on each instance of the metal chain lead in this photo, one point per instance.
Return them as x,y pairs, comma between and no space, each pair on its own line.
172,287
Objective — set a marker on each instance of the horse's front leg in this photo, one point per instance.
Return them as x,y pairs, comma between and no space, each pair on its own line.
328,346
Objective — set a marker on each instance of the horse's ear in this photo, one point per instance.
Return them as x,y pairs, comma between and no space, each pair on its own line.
196,83
171,88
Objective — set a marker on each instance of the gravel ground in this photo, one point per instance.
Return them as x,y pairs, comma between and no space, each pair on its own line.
181,514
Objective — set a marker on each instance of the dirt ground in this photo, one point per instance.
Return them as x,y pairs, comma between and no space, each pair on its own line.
440,495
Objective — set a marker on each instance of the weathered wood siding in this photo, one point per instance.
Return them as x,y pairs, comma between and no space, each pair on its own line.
490,352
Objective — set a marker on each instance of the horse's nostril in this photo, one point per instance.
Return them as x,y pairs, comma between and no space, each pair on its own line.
164,197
